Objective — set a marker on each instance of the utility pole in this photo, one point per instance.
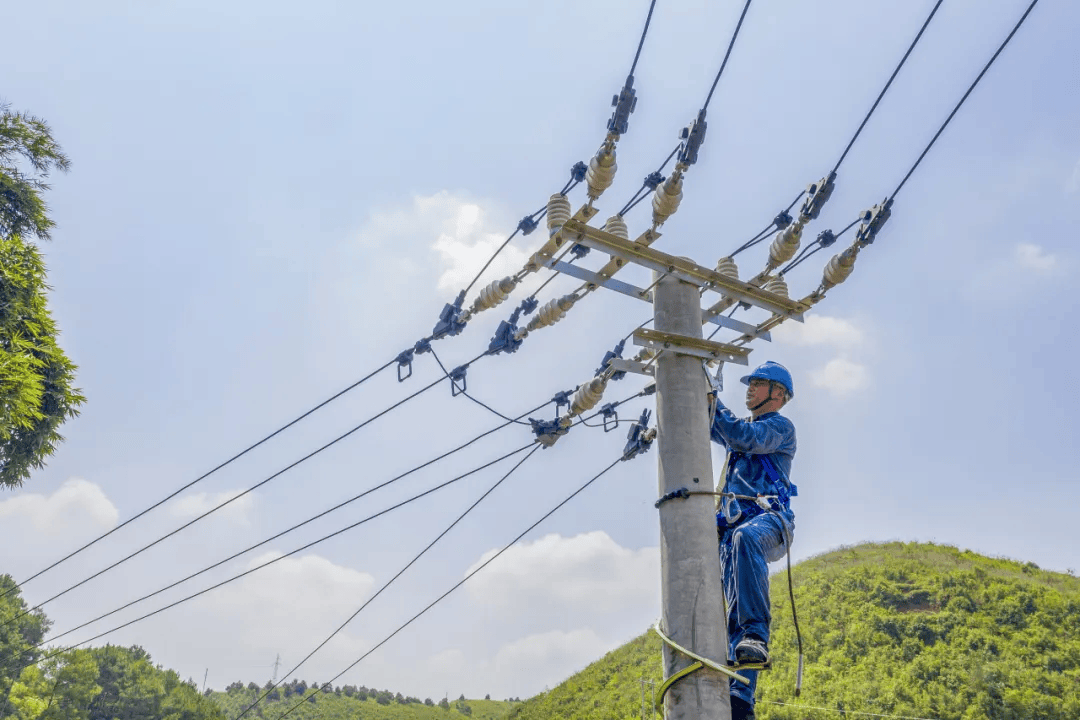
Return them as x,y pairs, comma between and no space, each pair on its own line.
205,675
691,590
277,664
693,625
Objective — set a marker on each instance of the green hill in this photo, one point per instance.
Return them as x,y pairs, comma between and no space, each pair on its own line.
894,629
350,702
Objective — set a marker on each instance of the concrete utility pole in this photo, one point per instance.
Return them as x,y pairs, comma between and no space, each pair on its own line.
691,592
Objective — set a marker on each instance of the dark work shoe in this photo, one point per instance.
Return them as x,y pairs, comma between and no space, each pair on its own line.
741,710
751,650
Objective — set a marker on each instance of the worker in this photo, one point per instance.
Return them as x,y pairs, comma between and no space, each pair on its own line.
754,518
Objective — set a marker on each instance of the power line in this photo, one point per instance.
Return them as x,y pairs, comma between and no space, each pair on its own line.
202,477
972,87
324,513
481,403
457,585
238,496
886,88
641,42
846,712
726,55
389,582
290,553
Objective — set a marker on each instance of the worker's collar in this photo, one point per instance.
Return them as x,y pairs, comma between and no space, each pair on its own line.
762,416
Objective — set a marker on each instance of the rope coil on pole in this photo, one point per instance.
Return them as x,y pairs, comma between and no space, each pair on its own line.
699,663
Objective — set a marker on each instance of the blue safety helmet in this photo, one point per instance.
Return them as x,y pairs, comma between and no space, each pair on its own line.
773,372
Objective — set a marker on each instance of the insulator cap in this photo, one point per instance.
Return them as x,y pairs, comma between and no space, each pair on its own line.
666,199
588,395
785,245
558,212
601,172
552,312
493,294
839,268
617,226
777,286
727,266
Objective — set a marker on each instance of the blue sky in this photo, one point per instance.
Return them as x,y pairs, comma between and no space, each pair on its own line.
268,201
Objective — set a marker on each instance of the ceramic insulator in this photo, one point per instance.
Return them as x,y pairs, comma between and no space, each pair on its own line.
493,294
587,395
617,226
727,266
785,245
839,268
551,312
601,173
777,286
558,211
666,199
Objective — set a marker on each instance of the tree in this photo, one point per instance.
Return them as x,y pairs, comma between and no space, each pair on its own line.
36,377
18,639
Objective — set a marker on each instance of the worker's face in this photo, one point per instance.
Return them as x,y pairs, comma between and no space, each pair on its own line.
757,392
761,390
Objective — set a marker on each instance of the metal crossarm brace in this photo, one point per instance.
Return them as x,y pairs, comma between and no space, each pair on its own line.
683,269
548,250
685,345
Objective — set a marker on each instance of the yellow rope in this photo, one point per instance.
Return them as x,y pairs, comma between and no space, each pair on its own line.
658,699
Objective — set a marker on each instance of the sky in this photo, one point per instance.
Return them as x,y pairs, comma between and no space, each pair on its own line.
268,201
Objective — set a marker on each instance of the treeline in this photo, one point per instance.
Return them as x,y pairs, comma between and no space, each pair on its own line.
101,683
286,690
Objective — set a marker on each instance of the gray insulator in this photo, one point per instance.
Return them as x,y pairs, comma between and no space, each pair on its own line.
666,199
727,266
601,173
617,226
776,286
839,268
493,294
587,395
785,245
552,312
558,212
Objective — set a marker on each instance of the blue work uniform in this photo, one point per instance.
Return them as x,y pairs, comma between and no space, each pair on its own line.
751,537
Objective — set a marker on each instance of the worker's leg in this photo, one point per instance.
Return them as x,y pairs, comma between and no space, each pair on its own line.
743,553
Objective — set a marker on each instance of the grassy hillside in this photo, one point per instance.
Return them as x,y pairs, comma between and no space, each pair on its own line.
350,703
899,629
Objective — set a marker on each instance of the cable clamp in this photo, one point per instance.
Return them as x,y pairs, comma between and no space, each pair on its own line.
826,238
653,180
404,360
611,417
624,104
549,431
504,339
640,437
450,322
562,398
873,220
527,224
579,251
611,355
817,194
422,346
457,375
578,171
693,137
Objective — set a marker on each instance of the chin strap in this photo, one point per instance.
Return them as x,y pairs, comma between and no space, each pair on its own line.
767,400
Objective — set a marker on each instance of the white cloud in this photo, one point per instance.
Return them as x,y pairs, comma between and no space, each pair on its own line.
552,656
465,241
821,330
841,376
1033,257
195,504
568,572
73,503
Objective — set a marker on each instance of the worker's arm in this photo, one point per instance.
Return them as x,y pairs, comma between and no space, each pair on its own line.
745,436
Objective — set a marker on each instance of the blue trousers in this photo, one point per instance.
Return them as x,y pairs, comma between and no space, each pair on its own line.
744,553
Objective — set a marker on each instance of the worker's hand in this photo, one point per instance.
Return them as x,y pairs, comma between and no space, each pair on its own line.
716,381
